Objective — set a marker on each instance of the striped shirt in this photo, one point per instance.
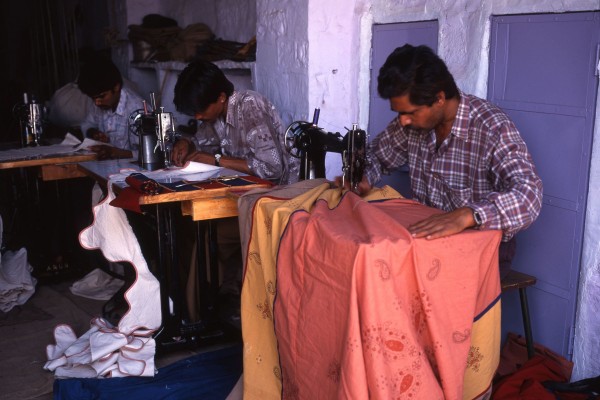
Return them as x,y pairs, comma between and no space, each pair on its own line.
483,164
252,130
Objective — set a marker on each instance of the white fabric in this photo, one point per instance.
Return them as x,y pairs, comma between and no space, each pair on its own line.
190,171
96,285
16,283
69,145
75,143
71,140
69,106
104,350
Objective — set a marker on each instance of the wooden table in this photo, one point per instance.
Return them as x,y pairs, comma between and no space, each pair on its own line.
199,204
203,206
52,166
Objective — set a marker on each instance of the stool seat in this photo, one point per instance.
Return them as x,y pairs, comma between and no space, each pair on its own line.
519,280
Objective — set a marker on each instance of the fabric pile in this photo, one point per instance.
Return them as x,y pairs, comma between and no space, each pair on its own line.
340,301
97,285
159,38
17,284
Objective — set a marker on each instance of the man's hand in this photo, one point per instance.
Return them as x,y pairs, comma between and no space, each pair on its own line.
98,135
106,152
363,188
201,157
181,150
441,225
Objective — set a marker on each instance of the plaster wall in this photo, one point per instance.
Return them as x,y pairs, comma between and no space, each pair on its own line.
315,53
334,66
281,71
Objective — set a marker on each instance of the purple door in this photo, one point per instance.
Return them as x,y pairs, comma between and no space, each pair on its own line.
543,74
386,38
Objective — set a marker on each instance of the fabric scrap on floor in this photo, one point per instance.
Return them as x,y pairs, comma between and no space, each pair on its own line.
97,285
17,284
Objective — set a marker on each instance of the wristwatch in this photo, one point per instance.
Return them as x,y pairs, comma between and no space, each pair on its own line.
217,159
477,218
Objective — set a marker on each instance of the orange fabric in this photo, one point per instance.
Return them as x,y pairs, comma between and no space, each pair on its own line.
360,308
363,310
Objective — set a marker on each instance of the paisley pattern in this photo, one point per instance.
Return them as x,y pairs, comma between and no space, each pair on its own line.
362,309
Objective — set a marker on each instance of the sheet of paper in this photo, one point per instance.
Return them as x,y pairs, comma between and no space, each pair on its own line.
192,171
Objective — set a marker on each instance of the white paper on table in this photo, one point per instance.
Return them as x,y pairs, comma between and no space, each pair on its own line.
87,142
70,139
191,171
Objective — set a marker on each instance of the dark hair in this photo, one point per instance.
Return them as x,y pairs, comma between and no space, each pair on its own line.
98,75
418,72
199,85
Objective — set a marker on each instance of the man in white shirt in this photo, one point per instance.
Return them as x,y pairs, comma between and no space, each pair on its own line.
101,80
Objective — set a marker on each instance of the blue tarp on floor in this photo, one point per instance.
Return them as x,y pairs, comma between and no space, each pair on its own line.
205,376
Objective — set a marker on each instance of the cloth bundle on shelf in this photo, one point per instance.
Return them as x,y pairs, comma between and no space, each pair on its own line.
159,38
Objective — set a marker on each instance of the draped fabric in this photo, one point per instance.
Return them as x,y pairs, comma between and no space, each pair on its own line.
127,349
339,301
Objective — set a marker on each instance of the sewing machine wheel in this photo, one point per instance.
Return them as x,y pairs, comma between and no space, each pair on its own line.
295,138
134,121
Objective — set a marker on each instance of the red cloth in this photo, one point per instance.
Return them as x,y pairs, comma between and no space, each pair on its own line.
526,382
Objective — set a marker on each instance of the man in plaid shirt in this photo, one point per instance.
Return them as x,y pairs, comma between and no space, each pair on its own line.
465,155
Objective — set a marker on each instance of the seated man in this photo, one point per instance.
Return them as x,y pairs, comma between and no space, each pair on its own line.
101,80
465,155
240,131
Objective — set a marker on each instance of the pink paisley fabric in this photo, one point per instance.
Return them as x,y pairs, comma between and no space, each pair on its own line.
365,311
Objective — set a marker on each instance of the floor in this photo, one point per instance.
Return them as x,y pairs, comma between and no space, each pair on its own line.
26,331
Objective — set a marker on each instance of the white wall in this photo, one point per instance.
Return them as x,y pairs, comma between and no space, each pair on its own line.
337,61
315,53
282,55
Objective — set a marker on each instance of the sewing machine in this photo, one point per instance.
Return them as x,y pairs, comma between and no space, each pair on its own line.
156,133
310,143
31,116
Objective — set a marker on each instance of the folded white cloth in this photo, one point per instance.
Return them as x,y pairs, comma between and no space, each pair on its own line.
96,285
17,284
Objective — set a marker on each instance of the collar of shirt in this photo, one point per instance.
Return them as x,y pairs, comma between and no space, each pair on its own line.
122,106
460,127
231,105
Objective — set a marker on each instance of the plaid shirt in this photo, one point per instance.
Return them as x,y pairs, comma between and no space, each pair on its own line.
483,164
252,130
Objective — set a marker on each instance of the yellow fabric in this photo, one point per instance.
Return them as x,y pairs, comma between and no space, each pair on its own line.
484,355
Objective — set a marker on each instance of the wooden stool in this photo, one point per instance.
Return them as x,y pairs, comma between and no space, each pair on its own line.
519,280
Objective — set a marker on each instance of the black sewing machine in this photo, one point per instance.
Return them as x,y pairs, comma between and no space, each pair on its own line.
310,143
156,133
